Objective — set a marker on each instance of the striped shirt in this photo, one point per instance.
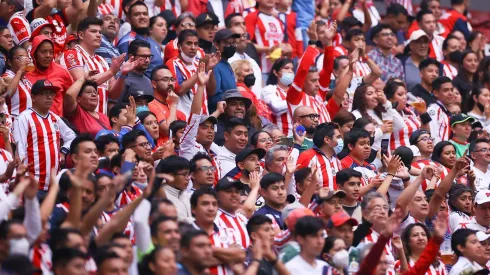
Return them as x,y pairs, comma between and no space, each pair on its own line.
275,97
127,196
401,138
449,70
107,50
238,223
80,58
21,100
372,237
116,8
38,141
435,47
172,51
420,164
328,167
106,216
439,126
439,270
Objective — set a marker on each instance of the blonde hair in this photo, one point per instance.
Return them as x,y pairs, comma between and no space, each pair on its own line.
237,67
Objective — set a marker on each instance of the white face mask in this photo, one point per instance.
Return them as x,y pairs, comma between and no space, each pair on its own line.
341,259
339,147
287,78
19,246
187,58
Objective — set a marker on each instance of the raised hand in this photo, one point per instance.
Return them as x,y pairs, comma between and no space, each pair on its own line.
116,63
202,75
31,190
254,180
131,111
221,106
387,127
393,164
376,181
312,31
5,132
211,60
158,154
397,243
168,148
461,163
298,139
393,222
428,172
440,225
172,99
331,30
291,165
129,65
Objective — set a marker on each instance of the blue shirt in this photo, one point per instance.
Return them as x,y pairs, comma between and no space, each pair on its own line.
107,50
156,50
271,213
305,12
225,80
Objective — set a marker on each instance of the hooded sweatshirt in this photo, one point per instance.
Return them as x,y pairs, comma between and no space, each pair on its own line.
58,75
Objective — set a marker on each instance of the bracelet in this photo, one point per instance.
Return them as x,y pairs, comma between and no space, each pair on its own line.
312,42
390,175
273,263
255,260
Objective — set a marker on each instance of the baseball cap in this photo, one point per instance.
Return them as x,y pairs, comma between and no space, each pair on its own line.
227,183
406,155
483,196
460,118
415,136
482,236
296,214
19,4
42,85
339,219
36,26
326,194
416,35
224,34
247,152
206,18
141,95
290,208
235,94
70,38
205,118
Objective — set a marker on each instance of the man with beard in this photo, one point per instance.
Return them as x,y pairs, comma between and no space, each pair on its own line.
236,138
82,60
140,22
419,50
110,28
429,71
308,118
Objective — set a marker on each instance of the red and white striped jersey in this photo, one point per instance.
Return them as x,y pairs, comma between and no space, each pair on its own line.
106,216
104,9
5,159
439,270
340,50
266,30
127,196
40,256
19,28
172,51
80,58
21,100
175,7
38,140
274,95
439,125
372,237
328,167
116,8
221,237
238,223
181,73
420,164
401,138
361,69
436,48
282,238
449,70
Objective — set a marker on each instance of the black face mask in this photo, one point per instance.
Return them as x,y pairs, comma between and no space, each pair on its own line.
480,106
228,51
249,80
455,56
310,130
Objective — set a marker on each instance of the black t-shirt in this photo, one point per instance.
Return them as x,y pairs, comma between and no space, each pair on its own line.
350,209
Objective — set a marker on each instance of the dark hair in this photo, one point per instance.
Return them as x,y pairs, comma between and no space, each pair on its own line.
446,41
462,70
424,5
74,146
428,61
229,18
130,138
62,256
454,193
421,14
176,125
349,22
460,237
116,111
156,69
187,237
232,123
336,61
154,225
184,34
182,17
155,204
391,88
344,175
86,22
201,192
470,102
438,148
136,44
4,51
100,258
378,28
5,227
87,83
437,83
124,4
324,130
144,264
137,3
197,157
353,32
405,238
269,179
102,141
457,2
356,134
308,226
172,164
153,20
59,237
343,117
255,137
358,102
301,174
360,123
12,52
143,115
329,244
473,144
255,222
396,9
276,67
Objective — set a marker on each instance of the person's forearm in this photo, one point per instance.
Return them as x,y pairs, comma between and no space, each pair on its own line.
383,188
187,85
141,226
211,86
370,262
92,8
14,83
196,105
408,194
116,88
92,216
249,204
305,198
49,202
252,269
74,216
229,255
344,83
343,11
32,219
440,192
403,260
281,268
367,18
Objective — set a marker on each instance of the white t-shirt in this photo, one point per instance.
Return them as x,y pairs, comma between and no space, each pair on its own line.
464,265
458,220
482,181
298,265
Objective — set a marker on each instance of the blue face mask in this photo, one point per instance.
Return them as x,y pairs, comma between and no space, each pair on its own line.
287,78
340,145
140,109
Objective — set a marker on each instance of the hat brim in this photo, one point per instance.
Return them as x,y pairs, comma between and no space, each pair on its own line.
233,35
149,98
51,88
339,194
248,102
212,22
210,118
471,119
257,151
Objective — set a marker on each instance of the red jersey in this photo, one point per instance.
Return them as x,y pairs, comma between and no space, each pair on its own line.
116,8
420,164
172,5
127,196
172,51
21,100
106,216
328,167
238,223
202,6
60,21
292,34
87,123
80,58
449,70
274,94
372,237
38,141
401,138
19,28
435,47
450,18
439,270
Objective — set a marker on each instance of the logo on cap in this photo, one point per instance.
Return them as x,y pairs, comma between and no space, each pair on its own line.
47,83
208,18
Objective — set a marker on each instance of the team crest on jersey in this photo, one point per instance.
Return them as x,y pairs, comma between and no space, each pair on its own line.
55,126
432,112
273,27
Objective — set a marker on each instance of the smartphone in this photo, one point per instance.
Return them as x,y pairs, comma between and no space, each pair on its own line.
286,141
384,146
3,117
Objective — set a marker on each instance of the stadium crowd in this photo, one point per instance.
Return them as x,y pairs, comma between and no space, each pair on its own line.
243,137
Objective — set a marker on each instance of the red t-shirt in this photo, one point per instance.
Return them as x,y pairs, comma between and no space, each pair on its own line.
86,123
59,21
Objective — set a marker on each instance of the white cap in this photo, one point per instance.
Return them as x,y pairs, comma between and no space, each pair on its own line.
416,35
482,236
483,196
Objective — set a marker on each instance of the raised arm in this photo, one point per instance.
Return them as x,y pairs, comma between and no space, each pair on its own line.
74,11
376,71
14,83
50,200
248,206
45,9
75,215
70,99
393,164
328,59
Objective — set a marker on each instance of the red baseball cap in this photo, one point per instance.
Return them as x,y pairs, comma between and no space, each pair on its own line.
296,214
339,219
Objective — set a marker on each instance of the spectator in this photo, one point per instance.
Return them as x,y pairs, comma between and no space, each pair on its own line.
68,260
451,47
206,28
335,246
419,50
427,22
107,146
349,181
236,106
460,132
340,225
202,171
443,91
479,153
158,29
466,246
455,20
196,251
18,92
467,76
185,21
137,141
41,26
110,262
235,21
429,71
13,14
397,18
160,261
273,190
110,28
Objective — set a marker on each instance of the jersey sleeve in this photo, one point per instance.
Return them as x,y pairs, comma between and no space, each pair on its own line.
20,135
72,60
250,24
187,147
294,94
20,30
328,60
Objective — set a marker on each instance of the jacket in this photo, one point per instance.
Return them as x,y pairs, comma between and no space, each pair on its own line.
58,75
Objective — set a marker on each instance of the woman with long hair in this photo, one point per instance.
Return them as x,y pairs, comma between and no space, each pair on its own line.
460,203
6,43
274,94
467,76
478,105
415,238
160,261
444,155
335,246
373,104
18,94
345,120
262,140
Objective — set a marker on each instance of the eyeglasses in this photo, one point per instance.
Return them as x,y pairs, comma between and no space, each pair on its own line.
379,207
425,139
207,168
166,79
265,140
185,175
483,150
8,36
143,144
188,25
311,116
245,35
145,56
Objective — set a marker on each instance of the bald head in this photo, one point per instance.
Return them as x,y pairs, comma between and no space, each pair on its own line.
303,110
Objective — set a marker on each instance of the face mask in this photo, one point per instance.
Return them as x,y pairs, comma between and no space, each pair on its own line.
140,109
310,130
187,58
249,80
19,246
480,106
340,145
228,51
455,56
341,259
287,78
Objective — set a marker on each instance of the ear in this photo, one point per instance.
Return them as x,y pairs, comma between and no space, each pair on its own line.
325,256
73,158
154,84
226,135
152,266
350,147
240,165
262,192
460,248
114,119
254,236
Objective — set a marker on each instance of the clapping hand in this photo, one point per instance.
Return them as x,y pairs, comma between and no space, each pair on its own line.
312,31
440,225
331,31
116,63
202,75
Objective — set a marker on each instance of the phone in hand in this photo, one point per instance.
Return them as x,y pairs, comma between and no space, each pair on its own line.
3,117
384,146
286,141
